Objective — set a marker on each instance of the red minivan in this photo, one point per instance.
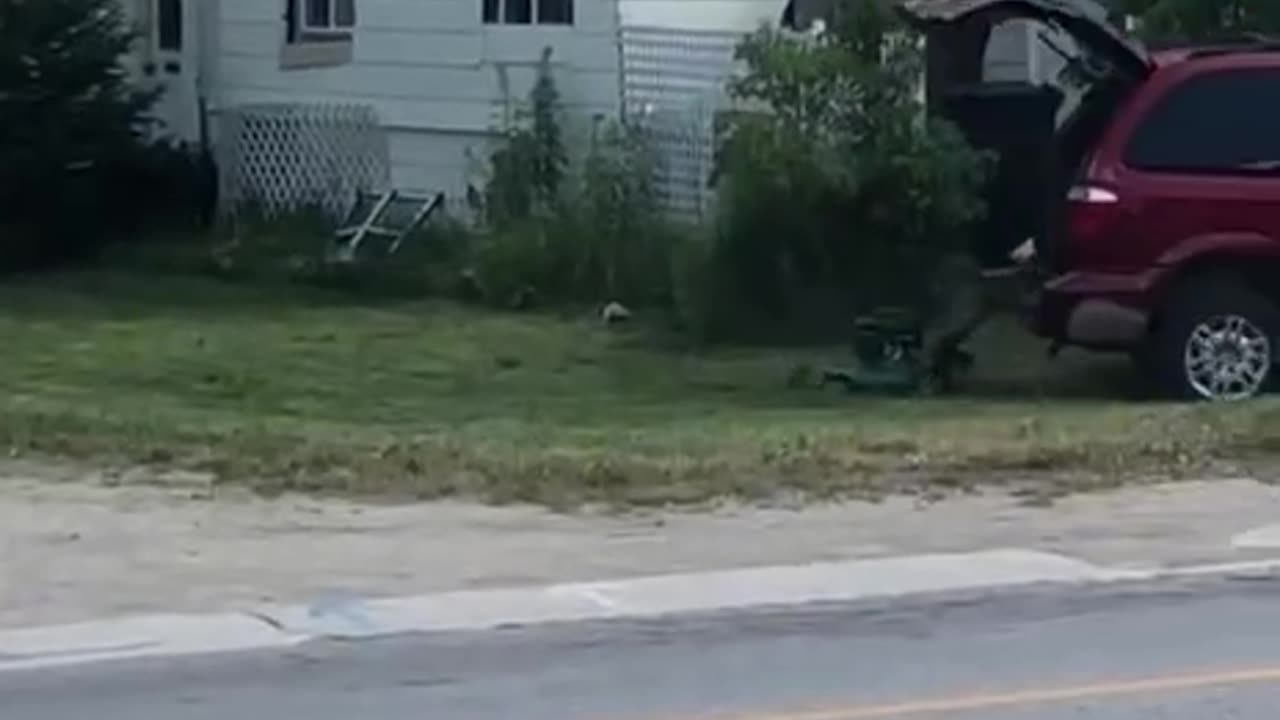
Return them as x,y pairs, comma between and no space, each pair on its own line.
1164,241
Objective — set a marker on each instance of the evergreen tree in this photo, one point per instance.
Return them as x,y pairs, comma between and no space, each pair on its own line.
64,95
68,112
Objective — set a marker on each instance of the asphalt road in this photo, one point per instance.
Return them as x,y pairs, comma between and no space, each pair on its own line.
1174,652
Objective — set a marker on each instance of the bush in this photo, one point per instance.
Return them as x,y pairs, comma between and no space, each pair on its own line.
833,182
1203,20
528,168
74,170
557,231
836,193
299,248
160,185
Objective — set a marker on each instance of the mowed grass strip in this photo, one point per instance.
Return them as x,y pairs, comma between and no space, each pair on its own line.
291,390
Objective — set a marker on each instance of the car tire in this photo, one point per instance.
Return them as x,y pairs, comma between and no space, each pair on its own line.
1217,340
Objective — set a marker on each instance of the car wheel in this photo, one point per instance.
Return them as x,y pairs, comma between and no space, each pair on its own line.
1217,341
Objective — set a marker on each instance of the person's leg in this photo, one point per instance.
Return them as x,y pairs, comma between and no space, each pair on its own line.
961,308
969,297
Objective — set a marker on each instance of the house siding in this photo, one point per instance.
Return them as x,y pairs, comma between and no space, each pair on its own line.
715,15
440,80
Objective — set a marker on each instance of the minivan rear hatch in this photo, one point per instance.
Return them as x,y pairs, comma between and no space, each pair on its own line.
1084,20
1110,65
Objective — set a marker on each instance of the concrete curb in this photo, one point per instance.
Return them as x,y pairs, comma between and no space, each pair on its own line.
1262,538
690,593
136,638
354,618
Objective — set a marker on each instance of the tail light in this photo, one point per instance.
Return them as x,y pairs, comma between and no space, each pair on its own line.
1092,195
1094,211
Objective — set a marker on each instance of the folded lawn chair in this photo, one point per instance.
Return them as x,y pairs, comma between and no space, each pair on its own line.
389,216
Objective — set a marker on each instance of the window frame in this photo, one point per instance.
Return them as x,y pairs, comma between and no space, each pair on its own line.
1129,152
307,46
333,28
493,13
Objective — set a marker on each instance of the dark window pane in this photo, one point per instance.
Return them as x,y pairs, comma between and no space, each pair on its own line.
518,12
555,12
292,29
490,13
318,13
169,25
345,13
1222,122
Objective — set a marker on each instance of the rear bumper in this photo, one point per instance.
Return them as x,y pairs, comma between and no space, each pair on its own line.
1098,311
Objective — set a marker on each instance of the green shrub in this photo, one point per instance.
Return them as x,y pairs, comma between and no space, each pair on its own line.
835,193
262,246
833,183
626,244
75,171
298,248
706,302
1203,20
528,167
562,232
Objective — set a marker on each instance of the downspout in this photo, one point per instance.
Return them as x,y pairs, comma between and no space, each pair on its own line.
620,50
204,43
206,37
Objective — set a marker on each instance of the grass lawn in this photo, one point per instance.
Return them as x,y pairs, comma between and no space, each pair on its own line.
293,391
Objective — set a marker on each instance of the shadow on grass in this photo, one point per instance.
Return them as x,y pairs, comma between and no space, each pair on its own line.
98,293
1013,365
1075,378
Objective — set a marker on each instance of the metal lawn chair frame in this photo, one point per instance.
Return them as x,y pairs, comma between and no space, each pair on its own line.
370,216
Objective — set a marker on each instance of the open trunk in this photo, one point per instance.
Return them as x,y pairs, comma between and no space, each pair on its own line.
1039,146
1084,20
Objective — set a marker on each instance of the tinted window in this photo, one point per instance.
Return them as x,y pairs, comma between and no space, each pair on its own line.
319,13
1218,123
169,25
518,12
555,12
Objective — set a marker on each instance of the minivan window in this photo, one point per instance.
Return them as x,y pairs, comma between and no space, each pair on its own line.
1219,123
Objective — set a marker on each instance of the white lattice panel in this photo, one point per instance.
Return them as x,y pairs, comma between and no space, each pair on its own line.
281,157
673,83
684,153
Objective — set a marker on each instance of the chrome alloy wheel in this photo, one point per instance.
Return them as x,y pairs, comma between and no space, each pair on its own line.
1228,358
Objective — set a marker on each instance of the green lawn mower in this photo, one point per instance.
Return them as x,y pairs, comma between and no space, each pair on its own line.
890,357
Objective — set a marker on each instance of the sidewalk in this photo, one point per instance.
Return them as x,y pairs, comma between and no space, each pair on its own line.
73,549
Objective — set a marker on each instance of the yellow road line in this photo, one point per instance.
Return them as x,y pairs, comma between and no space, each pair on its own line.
1046,696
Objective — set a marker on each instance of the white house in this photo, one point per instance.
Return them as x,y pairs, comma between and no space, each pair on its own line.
705,15
440,74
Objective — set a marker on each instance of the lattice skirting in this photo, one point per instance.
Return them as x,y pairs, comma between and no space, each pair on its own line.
280,157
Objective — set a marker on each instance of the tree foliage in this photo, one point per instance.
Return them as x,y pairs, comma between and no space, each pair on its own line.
74,167
527,169
569,227
832,174
1204,20
66,99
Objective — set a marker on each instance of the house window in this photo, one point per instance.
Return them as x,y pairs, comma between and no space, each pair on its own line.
169,25
319,33
527,12
320,20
